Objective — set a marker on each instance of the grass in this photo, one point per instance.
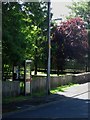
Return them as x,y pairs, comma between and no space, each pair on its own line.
20,98
7,100
38,94
62,88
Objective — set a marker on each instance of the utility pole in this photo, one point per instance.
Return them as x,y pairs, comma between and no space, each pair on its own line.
49,51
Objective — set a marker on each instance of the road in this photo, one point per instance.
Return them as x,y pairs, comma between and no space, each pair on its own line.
74,105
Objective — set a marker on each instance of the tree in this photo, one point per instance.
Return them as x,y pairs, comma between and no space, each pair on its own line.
12,36
71,41
37,12
24,30
13,39
81,9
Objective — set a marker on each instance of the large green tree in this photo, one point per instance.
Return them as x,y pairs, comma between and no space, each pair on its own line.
24,29
12,36
37,13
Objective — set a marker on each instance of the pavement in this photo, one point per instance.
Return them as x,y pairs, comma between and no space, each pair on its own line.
71,103
76,90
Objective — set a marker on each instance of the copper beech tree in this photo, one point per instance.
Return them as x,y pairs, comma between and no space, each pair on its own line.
70,39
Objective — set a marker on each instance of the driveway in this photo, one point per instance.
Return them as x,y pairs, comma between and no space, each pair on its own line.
75,104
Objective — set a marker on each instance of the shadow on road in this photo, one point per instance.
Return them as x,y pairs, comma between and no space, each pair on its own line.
52,107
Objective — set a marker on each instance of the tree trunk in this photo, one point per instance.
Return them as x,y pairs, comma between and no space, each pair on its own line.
3,71
13,72
58,71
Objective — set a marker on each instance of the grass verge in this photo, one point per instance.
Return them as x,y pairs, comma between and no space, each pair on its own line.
62,88
8,100
20,98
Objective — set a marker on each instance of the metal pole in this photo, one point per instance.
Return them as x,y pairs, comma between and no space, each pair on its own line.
30,81
49,51
25,77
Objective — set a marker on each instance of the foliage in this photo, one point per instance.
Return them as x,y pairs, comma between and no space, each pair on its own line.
81,9
36,25
71,41
89,49
89,36
24,29
12,37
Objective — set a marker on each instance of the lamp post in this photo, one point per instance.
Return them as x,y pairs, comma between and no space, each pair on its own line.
49,51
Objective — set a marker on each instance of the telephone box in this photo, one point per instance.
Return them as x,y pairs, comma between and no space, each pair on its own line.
27,75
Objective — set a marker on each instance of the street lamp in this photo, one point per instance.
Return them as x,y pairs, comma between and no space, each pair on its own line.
49,51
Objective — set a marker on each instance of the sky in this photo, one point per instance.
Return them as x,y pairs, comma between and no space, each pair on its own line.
59,8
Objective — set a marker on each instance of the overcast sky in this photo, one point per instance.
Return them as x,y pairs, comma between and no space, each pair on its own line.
59,8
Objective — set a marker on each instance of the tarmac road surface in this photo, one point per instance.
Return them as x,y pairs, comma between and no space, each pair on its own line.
74,105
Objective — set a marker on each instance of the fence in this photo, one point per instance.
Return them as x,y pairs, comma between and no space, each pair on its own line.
10,88
39,83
